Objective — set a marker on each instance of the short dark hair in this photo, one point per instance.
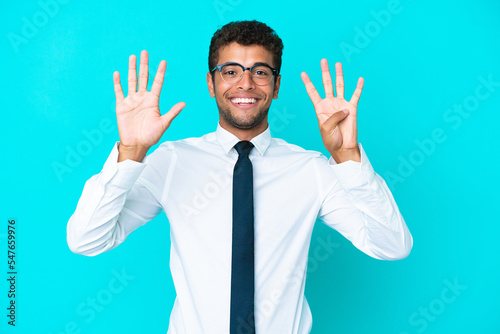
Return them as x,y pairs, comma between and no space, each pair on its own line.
245,33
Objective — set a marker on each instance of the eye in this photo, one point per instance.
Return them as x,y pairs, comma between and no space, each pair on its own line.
261,71
230,71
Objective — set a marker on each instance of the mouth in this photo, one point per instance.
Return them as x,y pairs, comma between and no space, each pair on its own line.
244,102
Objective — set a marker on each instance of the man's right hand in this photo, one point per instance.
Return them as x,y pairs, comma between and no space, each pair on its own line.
140,124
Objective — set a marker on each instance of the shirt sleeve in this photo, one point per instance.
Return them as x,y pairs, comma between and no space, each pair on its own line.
358,204
113,203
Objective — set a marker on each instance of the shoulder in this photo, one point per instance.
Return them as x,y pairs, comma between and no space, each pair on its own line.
169,153
281,147
186,144
303,164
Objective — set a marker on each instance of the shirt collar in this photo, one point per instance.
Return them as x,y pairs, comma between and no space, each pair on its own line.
227,140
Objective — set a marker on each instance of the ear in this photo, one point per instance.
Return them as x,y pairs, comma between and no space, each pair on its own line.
210,85
277,87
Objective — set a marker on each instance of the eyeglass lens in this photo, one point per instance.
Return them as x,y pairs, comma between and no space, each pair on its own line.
261,75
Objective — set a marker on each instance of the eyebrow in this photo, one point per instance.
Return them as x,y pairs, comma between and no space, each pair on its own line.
262,64
254,64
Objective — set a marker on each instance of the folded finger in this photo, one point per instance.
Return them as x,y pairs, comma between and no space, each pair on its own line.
335,119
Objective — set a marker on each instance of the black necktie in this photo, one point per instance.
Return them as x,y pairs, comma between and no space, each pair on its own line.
242,267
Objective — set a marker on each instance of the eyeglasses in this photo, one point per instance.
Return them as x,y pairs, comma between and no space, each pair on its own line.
231,73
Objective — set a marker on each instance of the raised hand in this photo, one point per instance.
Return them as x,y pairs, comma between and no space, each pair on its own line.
337,117
140,123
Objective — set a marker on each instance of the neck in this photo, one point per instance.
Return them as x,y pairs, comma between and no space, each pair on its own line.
245,134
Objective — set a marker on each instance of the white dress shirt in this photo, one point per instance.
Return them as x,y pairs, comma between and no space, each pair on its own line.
191,181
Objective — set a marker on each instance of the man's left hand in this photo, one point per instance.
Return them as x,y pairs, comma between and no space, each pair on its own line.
336,116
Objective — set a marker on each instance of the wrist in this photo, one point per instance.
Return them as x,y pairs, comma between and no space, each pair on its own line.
135,153
344,155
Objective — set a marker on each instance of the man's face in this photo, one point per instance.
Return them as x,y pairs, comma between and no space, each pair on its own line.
233,111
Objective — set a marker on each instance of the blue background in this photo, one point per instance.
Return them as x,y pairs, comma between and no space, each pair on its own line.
419,63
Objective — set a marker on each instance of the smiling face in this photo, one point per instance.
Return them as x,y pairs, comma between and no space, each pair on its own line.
243,106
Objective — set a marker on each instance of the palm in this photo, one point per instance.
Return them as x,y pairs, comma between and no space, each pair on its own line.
139,119
140,122
336,135
344,134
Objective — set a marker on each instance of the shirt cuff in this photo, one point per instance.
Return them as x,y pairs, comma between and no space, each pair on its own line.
123,174
352,174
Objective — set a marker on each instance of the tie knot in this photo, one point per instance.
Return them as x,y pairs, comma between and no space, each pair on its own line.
243,147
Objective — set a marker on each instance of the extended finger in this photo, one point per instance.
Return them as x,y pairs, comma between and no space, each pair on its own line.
118,87
339,80
132,75
357,93
158,82
311,90
143,71
171,114
327,78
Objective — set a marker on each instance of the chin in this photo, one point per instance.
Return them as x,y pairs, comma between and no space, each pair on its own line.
243,123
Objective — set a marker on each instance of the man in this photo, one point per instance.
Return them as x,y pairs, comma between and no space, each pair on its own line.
241,204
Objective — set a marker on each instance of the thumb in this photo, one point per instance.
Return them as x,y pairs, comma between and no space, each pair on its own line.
171,114
335,119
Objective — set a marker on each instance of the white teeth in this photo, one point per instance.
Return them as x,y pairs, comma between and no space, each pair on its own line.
243,100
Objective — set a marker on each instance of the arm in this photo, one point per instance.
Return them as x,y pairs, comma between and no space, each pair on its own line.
358,202
117,201
113,204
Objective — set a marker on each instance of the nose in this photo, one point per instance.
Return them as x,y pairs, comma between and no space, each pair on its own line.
246,81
